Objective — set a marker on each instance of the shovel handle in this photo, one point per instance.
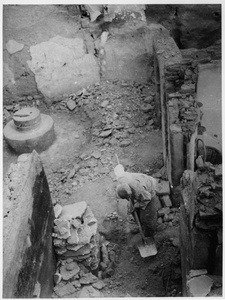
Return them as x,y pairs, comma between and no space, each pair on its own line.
118,162
138,221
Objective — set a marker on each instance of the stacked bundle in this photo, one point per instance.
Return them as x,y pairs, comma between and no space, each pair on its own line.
75,234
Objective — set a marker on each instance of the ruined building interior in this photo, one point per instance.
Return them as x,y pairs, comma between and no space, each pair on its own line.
86,89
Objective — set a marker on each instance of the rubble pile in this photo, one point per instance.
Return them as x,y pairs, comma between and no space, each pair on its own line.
75,234
167,215
120,114
84,257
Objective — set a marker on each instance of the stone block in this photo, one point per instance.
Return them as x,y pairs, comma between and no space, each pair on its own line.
13,46
89,292
65,290
199,286
163,188
69,270
163,211
218,171
194,273
61,66
74,211
27,229
165,200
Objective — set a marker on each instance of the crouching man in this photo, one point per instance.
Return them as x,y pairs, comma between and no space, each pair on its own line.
140,190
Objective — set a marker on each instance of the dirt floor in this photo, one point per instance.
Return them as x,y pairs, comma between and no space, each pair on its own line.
112,118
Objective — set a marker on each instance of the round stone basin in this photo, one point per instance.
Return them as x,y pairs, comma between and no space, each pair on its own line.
27,118
29,130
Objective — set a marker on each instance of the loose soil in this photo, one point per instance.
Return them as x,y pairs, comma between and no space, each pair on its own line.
111,118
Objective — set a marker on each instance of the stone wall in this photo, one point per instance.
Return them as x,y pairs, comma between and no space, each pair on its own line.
201,230
176,84
28,257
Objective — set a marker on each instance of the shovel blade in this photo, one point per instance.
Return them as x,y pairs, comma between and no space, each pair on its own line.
147,247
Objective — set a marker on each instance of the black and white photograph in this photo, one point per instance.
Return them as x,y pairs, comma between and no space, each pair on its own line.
112,181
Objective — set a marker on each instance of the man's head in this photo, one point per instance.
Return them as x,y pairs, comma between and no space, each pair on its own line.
123,191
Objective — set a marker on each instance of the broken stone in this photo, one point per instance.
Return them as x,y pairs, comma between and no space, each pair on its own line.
57,210
60,251
104,103
166,202
67,274
37,290
83,156
160,220
74,211
73,239
89,218
62,291
218,171
84,250
86,233
151,122
76,283
149,99
89,292
106,133
62,228
187,88
71,104
103,266
163,188
76,223
125,143
59,243
131,130
200,286
88,278
199,162
166,218
96,154
84,172
12,46
83,269
163,211
175,242
146,108
195,273
74,248
72,173
99,285
77,258
207,212
57,278
71,266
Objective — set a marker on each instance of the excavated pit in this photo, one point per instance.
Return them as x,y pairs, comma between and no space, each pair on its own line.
148,111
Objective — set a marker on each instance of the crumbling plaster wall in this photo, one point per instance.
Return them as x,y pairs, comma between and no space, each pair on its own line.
50,51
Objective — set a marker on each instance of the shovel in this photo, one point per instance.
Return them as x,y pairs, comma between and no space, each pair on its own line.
146,245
